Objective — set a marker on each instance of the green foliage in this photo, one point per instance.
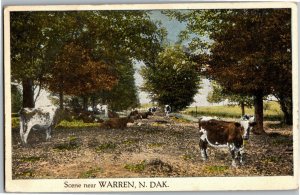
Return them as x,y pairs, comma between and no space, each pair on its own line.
124,94
247,51
173,80
15,122
46,45
218,94
16,99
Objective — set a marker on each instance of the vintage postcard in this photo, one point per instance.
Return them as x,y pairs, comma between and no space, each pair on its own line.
151,97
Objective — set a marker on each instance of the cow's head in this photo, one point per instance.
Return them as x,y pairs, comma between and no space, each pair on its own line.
247,122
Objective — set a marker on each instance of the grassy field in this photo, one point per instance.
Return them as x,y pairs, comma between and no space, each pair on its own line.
272,111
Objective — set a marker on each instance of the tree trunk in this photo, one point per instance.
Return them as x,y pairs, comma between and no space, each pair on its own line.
259,113
286,105
85,103
28,93
93,99
243,108
61,100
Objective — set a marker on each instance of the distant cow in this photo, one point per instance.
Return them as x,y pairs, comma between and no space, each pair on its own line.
116,123
217,133
152,109
42,118
167,109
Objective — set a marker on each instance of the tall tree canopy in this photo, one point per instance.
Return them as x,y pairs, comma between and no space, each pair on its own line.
123,95
28,51
173,80
45,44
248,51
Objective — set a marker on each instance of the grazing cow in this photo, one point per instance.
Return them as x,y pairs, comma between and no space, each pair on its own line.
217,133
116,123
42,118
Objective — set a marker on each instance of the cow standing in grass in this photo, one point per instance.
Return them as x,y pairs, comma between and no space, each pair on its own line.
42,118
217,133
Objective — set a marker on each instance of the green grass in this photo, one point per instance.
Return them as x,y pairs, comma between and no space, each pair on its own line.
71,144
75,124
136,167
130,141
30,159
216,169
15,122
91,173
106,146
155,145
272,111
187,157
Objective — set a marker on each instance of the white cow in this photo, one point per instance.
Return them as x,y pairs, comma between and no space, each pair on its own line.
42,118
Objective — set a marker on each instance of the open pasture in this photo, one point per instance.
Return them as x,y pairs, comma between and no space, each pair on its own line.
154,147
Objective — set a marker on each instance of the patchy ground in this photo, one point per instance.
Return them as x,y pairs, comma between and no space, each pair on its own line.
158,147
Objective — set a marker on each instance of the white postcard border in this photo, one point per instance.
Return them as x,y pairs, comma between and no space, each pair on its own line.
174,184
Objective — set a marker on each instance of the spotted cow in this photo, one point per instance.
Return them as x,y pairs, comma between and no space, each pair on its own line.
218,133
42,118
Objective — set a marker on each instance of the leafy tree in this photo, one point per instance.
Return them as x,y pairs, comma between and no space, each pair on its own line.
27,51
16,99
124,94
74,73
173,80
218,94
40,42
248,51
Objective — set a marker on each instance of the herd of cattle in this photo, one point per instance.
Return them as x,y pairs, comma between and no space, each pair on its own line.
213,131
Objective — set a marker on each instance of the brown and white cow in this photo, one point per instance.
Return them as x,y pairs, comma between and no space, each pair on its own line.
42,118
218,133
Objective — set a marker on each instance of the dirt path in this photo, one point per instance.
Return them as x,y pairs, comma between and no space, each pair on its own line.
149,148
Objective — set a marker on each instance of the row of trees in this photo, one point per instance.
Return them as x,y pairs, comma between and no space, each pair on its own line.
90,54
86,54
247,52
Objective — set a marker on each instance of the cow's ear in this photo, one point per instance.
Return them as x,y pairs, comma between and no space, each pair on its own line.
237,124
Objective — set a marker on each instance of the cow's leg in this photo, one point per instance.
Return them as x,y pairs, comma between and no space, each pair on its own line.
26,133
232,150
241,155
203,149
48,133
22,127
